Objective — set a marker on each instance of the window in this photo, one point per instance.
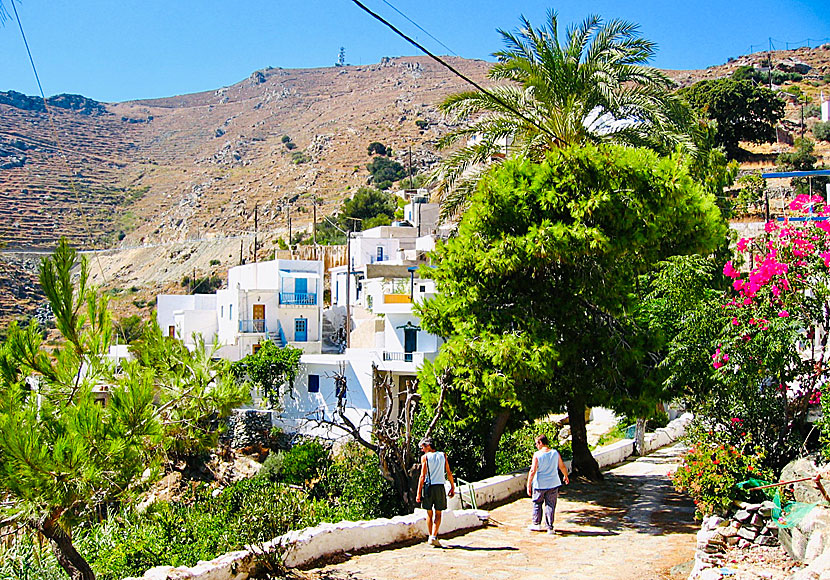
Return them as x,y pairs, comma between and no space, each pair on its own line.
222,311
255,348
230,312
423,288
380,253
313,383
171,331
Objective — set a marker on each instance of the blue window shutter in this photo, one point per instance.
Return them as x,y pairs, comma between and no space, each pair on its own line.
313,383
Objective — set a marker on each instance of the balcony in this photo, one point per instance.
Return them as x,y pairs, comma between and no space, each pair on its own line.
252,326
298,299
396,299
397,356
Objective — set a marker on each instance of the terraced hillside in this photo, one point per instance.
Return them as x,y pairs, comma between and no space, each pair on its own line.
186,166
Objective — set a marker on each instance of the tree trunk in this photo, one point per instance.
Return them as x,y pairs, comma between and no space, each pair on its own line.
640,437
496,431
584,464
68,557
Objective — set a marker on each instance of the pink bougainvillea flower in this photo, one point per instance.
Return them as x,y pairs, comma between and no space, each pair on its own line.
735,321
783,314
730,271
742,244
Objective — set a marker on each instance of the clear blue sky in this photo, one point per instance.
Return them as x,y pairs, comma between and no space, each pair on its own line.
116,50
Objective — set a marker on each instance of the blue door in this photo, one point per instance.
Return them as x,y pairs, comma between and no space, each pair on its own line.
300,330
300,287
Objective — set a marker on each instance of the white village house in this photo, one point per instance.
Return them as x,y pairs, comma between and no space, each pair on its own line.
282,301
278,300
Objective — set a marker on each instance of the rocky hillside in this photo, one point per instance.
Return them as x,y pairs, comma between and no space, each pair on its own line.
163,174
187,166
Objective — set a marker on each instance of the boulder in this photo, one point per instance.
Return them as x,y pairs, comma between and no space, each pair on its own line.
804,491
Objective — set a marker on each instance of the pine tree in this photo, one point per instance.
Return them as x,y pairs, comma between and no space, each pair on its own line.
66,457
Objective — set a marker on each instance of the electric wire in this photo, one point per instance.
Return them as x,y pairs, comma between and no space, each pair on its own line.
419,27
443,63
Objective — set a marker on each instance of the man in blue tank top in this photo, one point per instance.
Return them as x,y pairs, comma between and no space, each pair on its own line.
435,470
543,483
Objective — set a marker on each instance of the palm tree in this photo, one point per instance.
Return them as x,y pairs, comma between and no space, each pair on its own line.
594,88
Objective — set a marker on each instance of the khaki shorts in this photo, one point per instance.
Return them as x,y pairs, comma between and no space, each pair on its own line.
434,498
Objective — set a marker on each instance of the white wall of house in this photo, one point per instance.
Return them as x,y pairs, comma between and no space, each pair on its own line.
301,405
167,305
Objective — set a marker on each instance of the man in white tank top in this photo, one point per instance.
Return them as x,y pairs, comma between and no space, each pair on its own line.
435,470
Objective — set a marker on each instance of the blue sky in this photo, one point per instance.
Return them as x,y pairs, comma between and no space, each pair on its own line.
116,50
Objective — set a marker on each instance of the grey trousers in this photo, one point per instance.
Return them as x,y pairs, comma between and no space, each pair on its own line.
547,497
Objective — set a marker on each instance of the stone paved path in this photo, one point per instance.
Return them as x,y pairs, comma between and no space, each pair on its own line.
632,526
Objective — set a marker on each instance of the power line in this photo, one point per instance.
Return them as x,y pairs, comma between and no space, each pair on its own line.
419,27
452,69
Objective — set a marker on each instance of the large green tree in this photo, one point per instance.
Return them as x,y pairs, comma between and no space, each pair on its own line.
536,291
743,111
594,87
66,457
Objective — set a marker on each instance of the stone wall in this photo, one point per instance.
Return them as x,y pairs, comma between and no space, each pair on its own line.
248,427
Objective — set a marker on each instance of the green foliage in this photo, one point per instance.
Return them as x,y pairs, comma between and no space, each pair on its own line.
803,158
516,448
300,157
379,148
536,290
204,285
198,528
751,193
291,145
193,389
299,465
821,130
743,111
750,73
713,465
560,92
421,124
129,328
370,207
26,559
215,262
355,488
385,171
269,369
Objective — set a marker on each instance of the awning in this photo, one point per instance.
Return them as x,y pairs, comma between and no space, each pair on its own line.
291,274
813,173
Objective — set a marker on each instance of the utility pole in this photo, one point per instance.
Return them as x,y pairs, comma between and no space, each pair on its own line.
314,224
802,115
289,227
410,168
256,207
348,282
769,56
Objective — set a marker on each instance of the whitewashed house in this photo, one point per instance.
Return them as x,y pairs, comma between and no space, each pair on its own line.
278,300
386,340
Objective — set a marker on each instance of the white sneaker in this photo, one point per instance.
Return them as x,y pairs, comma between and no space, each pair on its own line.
536,528
551,532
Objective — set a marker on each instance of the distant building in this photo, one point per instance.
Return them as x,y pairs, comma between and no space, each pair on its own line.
278,300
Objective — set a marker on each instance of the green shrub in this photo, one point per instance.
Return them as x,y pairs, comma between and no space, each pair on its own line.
200,527
301,464
658,421
355,487
516,449
712,467
215,262
285,139
25,559
821,131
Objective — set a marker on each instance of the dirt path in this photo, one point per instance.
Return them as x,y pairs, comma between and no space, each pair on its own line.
632,526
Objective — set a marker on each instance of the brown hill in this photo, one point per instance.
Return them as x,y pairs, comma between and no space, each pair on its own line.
182,167
163,173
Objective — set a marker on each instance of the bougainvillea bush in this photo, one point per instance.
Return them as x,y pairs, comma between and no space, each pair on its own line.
713,466
754,362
